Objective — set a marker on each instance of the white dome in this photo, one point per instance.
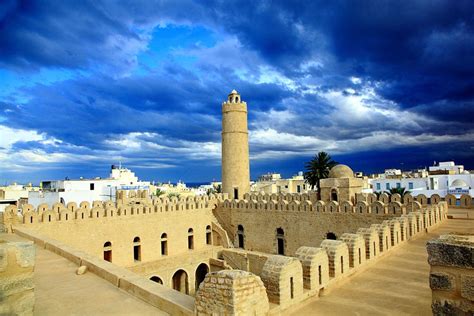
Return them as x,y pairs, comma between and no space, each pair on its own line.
458,183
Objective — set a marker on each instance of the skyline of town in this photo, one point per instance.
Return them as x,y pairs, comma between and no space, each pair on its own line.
144,86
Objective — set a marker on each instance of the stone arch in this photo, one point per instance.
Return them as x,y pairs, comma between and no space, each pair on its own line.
240,236
72,206
57,207
164,244
384,198
85,204
110,211
49,216
333,207
27,208
280,241
361,207
422,199
371,198
450,199
98,204
372,242
338,254
201,271
108,251
395,197
378,208
334,195
156,279
66,215
294,205
465,201
43,207
320,206
307,206
30,217
435,199
137,250
347,207
356,246
315,265
408,199
97,212
283,280
180,281
395,208
82,213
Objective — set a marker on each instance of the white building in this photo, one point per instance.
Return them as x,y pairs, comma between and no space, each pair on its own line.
273,183
447,178
65,191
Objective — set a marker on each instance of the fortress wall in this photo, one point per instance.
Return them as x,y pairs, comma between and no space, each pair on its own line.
121,227
308,229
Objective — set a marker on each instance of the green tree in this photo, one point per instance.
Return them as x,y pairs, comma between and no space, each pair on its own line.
317,169
159,192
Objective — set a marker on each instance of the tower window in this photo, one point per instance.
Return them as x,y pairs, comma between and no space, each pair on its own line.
280,241
164,244
208,235
190,239
137,256
236,193
91,186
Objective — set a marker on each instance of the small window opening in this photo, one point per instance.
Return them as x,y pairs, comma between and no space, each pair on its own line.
280,241
137,249
91,186
190,239
164,244
208,235
292,294
342,264
320,275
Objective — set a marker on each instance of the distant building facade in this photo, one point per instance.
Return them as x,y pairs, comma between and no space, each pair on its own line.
65,191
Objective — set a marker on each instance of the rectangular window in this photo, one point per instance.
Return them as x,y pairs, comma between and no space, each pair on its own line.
298,189
292,294
91,186
399,185
320,275
410,185
378,186
387,186
236,193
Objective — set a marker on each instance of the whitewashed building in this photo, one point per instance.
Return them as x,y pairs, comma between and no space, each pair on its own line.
65,191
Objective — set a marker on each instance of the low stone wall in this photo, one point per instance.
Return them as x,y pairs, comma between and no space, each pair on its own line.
452,274
17,262
166,299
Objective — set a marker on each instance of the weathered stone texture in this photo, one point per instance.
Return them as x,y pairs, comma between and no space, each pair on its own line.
442,281
16,278
231,292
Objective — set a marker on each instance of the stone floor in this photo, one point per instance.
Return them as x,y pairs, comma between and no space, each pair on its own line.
59,291
396,285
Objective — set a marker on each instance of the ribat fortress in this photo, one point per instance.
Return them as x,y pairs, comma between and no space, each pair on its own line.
234,253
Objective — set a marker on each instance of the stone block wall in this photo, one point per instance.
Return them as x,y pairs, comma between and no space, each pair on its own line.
17,262
231,292
452,274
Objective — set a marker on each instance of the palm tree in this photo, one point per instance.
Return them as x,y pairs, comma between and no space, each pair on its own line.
317,169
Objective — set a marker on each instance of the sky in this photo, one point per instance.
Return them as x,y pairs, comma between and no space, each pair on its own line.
376,84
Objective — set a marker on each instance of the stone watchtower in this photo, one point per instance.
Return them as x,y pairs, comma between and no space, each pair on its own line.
235,147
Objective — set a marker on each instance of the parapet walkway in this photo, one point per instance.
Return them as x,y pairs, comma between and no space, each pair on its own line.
395,285
59,291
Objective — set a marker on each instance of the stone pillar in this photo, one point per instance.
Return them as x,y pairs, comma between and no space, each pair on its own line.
452,274
17,261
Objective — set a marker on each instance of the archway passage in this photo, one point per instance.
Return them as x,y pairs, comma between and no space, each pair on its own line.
331,235
201,272
156,279
180,281
108,251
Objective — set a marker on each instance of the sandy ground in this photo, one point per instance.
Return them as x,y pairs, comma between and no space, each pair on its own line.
396,285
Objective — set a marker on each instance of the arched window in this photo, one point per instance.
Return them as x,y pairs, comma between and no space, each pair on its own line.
240,236
108,251
208,235
190,239
156,279
137,256
164,244
331,235
280,234
333,195
180,281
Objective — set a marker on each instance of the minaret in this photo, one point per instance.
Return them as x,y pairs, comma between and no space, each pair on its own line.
235,147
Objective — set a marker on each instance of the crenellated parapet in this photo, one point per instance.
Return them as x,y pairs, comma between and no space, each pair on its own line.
59,212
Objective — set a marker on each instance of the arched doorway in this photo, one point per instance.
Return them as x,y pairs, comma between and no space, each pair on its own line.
201,272
280,234
240,236
108,251
180,281
156,279
331,235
